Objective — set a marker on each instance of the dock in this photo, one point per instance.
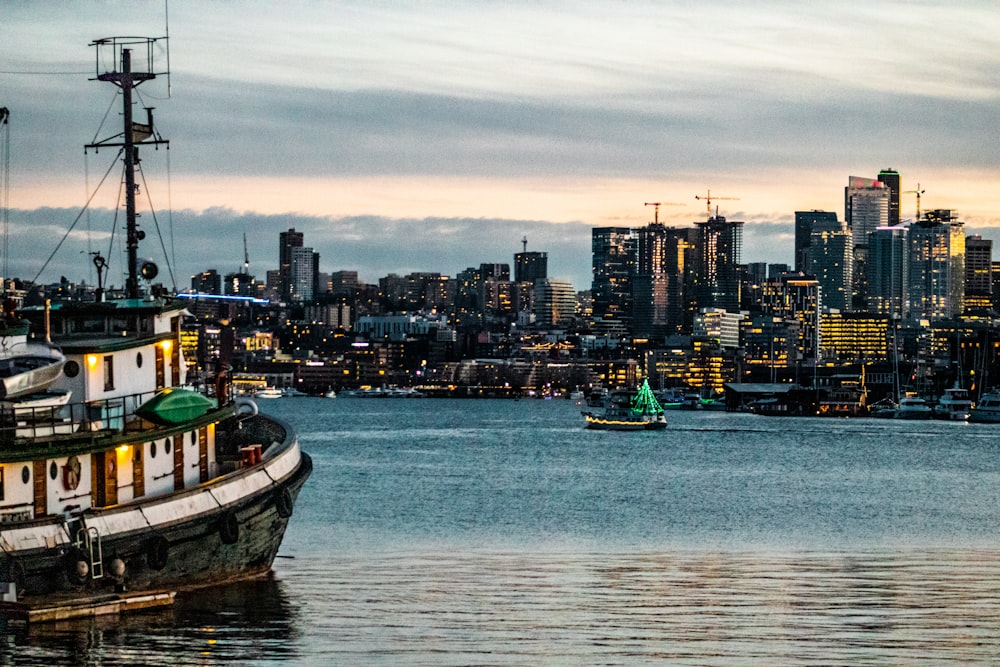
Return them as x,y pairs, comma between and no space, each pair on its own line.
102,605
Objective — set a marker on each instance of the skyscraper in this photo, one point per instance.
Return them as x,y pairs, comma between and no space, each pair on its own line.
831,260
530,266
888,271
717,282
937,266
890,178
866,207
286,242
806,222
978,273
614,259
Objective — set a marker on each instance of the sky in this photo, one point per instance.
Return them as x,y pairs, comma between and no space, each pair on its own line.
435,136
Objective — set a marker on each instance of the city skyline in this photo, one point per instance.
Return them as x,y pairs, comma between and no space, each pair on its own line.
432,138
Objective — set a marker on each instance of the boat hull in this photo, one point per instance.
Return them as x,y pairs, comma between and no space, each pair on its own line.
596,423
225,530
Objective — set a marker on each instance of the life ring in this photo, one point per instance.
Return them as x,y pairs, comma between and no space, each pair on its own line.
246,407
71,473
229,528
283,502
157,553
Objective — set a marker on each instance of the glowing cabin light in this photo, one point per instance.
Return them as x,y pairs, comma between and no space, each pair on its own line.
166,345
92,361
122,449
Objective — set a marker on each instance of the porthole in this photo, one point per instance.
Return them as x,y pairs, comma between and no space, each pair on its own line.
194,438
137,454
53,470
138,359
166,446
152,450
71,369
25,474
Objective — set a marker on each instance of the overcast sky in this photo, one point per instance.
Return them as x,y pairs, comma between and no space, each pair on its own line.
434,136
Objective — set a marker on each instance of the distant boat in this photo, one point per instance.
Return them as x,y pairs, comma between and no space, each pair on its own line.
268,392
292,392
954,405
330,393
629,411
912,406
987,408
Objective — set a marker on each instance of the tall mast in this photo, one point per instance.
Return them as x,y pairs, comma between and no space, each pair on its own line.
112,50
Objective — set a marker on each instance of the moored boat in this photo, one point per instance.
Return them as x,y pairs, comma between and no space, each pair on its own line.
629,411
139,487
912,406
987,408
954,405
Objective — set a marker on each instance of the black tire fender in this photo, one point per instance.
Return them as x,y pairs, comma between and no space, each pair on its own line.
229,528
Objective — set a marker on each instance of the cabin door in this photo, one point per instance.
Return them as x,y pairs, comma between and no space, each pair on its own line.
38,472
104,470
203,453
138,472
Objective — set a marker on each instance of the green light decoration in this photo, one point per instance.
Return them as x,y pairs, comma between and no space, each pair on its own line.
644,402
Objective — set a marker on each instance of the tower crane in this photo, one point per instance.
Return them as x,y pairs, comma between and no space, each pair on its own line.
917,192
246,256
656,209
708,201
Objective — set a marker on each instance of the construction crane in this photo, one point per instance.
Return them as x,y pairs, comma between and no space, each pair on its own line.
656,209
708,201
917,192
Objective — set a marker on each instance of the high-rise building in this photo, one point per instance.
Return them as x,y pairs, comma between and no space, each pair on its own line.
555,302
287,241
207,282
890,178
831,260
888,272
717,284
806,222
614,259
302,274
866,207
937,266
650,282
530,266
978,273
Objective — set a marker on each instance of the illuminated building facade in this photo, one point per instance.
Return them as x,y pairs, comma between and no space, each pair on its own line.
717,281
614,259
888,271
937,266
851,337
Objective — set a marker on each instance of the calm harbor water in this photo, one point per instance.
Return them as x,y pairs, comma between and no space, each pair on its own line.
440,532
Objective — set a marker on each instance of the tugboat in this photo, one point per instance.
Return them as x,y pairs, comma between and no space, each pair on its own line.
629,411
139,487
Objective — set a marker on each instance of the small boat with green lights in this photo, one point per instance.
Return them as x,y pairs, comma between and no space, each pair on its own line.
629,411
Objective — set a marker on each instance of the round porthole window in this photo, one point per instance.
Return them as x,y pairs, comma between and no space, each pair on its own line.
53,470
138,359
152,450
166,446
71,369
25,474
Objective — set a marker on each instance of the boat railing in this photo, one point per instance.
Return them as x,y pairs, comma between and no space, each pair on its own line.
26,424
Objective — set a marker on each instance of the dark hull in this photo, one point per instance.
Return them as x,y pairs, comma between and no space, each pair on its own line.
236,541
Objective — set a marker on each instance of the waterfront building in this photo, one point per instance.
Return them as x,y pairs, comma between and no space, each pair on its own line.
798,299
768,341
848,337
720,325
937,266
